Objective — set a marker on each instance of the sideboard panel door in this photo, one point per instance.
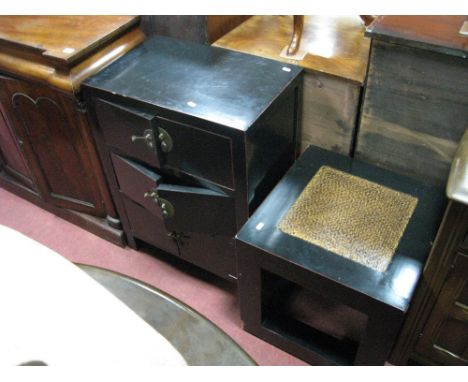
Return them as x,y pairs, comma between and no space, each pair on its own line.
11,156
47,124
445,336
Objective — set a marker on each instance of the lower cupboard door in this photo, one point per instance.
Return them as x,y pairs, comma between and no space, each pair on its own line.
148,227
198,210
210,252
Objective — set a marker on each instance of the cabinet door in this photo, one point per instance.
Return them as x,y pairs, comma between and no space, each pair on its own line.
196,223
200,210
198,153
51,131
129,130
11,155
163,143
445,335
182,208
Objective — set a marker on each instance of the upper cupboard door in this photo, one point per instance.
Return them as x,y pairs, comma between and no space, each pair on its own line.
166,144
52,133
197,152
11,154
128,130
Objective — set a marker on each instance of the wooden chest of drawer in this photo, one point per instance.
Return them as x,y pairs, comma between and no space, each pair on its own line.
436,330
192,139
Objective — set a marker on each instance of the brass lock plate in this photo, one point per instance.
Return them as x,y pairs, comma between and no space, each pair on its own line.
165,140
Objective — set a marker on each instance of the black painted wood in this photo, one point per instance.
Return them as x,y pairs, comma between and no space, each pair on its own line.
232,120
148,227
210,211
228,88
198,152
383,297
135,181
120,124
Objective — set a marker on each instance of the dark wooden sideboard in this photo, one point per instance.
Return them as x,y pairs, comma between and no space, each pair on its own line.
192,139
47,152
436,331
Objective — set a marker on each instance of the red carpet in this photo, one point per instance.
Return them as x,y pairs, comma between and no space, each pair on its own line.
210,296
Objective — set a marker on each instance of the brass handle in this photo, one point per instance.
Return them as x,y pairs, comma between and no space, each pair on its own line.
148,138
165,140
151,194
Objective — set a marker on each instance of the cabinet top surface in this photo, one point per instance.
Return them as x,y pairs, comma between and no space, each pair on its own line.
437,33
213,84
63,39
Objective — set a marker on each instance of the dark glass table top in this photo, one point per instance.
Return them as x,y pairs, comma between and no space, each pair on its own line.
197,339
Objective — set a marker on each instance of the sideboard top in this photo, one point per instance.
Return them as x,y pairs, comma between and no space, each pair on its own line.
437,33
64,39
61,51
214,84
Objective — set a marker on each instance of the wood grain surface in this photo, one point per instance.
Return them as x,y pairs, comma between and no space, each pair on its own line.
329,113
335,56
43,61
33,65
438,33
218,26
62,38
204,29
415,111
334,45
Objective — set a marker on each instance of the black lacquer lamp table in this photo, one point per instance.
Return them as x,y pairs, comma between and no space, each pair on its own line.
330,260
200,342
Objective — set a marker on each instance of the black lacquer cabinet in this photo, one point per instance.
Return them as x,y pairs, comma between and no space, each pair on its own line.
192,139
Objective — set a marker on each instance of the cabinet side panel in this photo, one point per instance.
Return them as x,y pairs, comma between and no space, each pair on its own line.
270,146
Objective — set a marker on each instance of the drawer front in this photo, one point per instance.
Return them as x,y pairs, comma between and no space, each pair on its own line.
148,227
199,153
128,130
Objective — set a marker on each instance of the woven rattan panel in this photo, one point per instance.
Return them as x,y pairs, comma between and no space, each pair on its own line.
351,217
